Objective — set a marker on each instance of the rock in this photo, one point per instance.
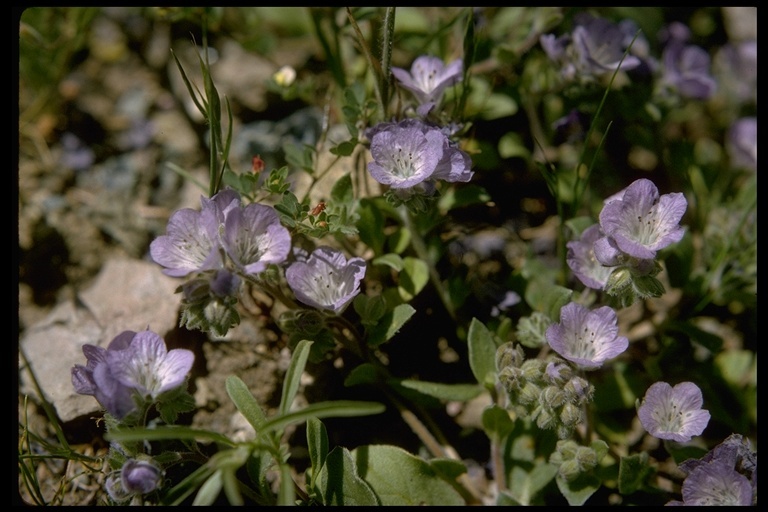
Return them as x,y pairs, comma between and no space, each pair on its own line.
126,295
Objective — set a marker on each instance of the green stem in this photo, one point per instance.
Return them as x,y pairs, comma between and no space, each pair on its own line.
421,251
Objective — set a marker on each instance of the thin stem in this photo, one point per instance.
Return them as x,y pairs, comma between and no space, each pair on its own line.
421,251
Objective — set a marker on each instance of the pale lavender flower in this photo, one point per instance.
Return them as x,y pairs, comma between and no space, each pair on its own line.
723,471
643,222
741,143
715,484
253,238
97,379
593,49
428,79
587,338
327,280
191,243
132,363
147,366
581,259
686,69
735,69
673,413
250,235
601,45
412,154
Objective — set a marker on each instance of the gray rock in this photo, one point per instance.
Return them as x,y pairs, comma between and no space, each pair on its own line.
126,295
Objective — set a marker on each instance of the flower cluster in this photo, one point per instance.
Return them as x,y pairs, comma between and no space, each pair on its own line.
136,366
618,255
219,245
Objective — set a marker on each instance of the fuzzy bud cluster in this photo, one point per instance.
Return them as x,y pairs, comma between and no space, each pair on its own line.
574,459
548,392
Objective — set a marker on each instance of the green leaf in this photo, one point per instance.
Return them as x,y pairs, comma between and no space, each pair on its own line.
455,392
634,471
293,375
511,145
342,191
449,469
456,197
496,423
370,309
209,491
400,478
317,445
333,409
245,402
362,374
547,297
578,490
391,260
345,148
413,277
390,324
175,432
338,482
370,226
482,353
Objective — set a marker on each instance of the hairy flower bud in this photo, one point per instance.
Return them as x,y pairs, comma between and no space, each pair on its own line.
570,414
553,397
530,393
509,354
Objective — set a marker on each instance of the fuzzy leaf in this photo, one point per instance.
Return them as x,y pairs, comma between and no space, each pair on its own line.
400,478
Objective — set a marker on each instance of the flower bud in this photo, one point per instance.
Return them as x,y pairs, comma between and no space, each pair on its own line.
553,397
140,476
533,368
578,391
530,393
569,470
570,415
586,458
545,419
509,354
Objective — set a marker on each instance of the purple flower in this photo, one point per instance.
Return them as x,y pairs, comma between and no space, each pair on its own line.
137,476
147,366
429,78
250,235
726,475
97,379
140,476
685,68
593,49
735,69
600,45
132,363
742,143
673,413
581,259
326,280
191,243
642,222
715,484
587,338
253,238
413,154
